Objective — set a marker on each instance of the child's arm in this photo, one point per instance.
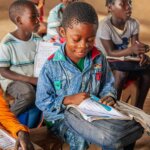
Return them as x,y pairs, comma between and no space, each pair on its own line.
144,59
76,98
7,73
135,48
47,99
106,38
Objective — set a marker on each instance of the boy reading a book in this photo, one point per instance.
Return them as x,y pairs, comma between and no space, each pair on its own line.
114,35
70,75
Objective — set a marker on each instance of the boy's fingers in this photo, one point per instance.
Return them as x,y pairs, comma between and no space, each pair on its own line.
104,99
111,103
108,101
144,59
17,145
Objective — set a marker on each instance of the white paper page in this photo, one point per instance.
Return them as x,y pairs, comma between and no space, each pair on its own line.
93,108
44,50
6,141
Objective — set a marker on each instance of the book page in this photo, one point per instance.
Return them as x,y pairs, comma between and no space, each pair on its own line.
93,108
123,58
44,50
6,141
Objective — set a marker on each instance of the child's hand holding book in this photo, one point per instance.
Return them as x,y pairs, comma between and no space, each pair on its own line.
108,100
76,98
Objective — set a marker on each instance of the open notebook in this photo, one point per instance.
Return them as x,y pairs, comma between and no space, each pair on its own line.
124,58
7,142
91,110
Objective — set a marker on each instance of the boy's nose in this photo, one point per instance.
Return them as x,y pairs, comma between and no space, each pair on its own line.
84,45
128,6
37,20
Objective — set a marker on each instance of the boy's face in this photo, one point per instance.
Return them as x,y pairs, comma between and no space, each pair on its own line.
29,20
121,9
79,40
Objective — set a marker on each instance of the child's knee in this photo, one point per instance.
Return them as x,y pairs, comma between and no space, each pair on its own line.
120,76
29,98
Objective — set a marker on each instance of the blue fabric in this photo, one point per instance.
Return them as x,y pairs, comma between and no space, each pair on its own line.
31,118
60,77
109,134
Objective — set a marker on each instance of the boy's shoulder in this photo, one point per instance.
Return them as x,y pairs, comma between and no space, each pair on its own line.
133,20
36,37
8,39
107,21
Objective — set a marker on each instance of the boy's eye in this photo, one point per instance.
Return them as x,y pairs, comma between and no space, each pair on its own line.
91,40
76,40
130,2
34,16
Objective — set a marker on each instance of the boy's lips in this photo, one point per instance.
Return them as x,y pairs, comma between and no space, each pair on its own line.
81,53
37,26
128,13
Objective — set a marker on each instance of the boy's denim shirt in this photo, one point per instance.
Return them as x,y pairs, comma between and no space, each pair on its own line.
60,77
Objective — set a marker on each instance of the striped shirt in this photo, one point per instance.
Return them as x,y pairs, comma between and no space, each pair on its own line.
18,55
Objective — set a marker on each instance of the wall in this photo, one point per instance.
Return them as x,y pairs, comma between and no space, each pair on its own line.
140,11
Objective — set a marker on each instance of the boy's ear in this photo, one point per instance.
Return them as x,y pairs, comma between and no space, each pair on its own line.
62,32
18,20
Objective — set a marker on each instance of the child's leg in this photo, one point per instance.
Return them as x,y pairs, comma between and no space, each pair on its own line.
24,95
120,79
143,87
75,141
129,147
110,134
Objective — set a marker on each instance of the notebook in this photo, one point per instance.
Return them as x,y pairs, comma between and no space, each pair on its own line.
91,110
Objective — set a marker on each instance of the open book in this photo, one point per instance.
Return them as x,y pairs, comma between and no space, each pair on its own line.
124,58
7,142
91,110
43,51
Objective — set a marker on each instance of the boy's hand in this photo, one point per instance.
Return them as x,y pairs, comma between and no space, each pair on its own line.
76,98
32,80
23,141
144,60
108,100
138,48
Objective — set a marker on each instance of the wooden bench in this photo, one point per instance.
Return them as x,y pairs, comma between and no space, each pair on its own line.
129,94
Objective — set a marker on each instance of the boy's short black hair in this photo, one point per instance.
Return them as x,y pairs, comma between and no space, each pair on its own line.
17,8
109,2
79,12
